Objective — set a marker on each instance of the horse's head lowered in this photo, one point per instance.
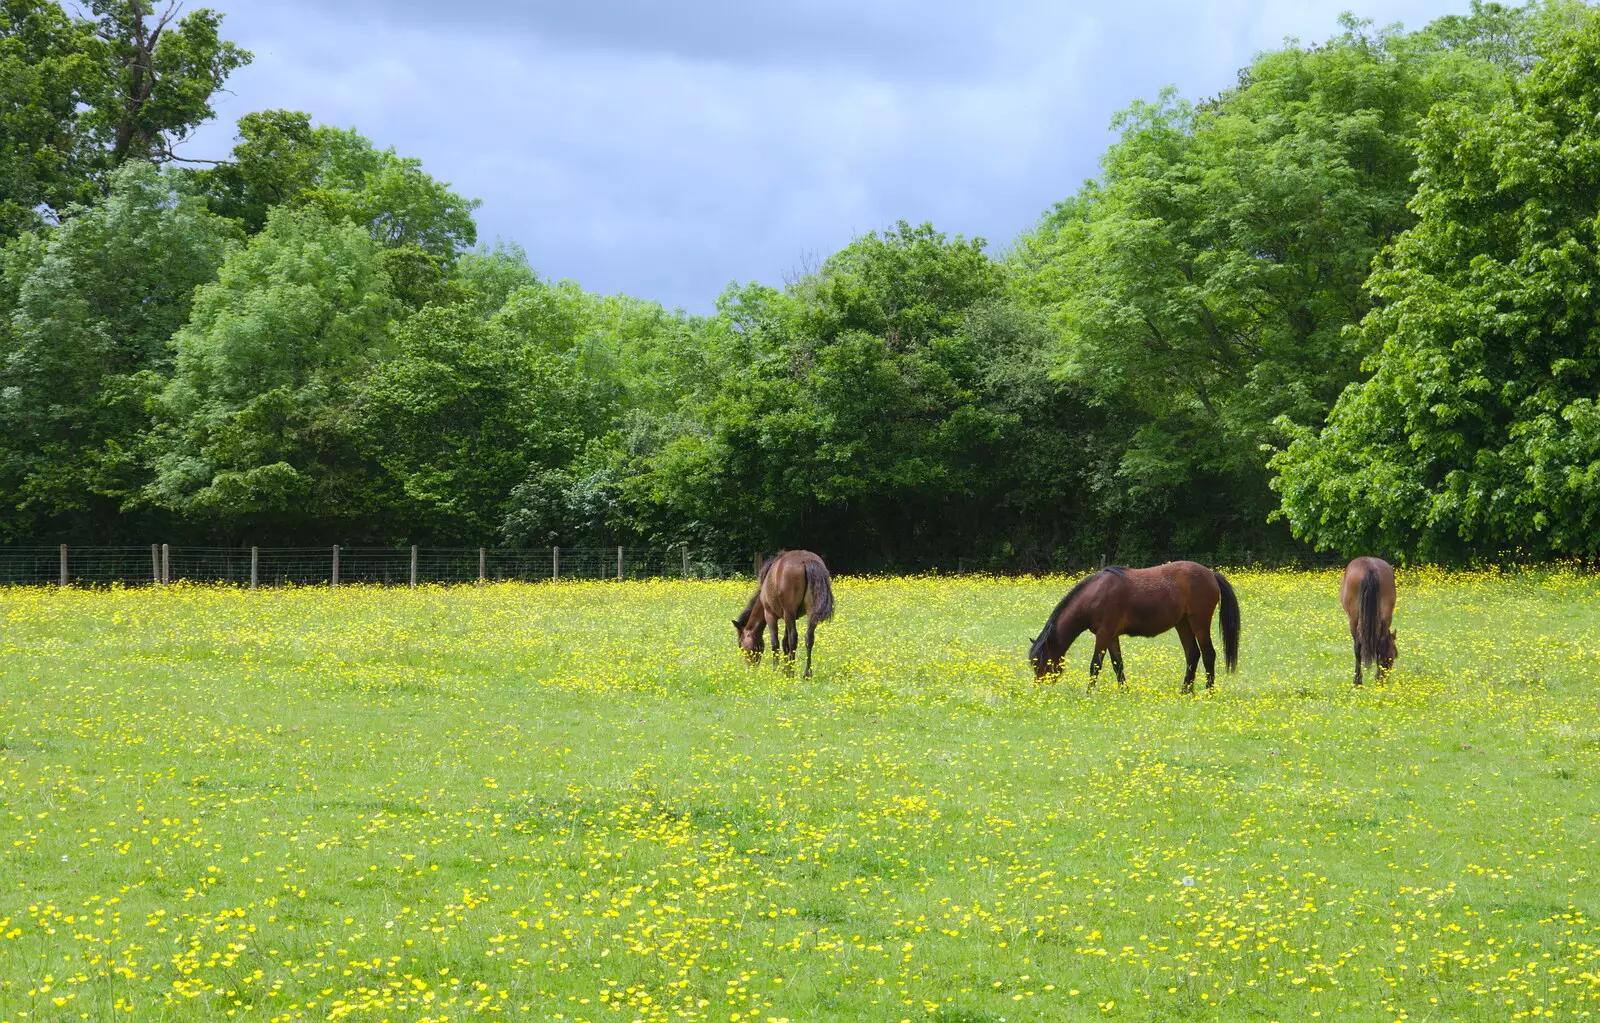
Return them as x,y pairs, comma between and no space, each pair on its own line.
1045,653
752,637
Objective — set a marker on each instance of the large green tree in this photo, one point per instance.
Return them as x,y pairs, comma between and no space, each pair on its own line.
258,426
282,159
1207,277
1478,431
158,73
463,413
881,410
93,307
82,94
46,72
628,363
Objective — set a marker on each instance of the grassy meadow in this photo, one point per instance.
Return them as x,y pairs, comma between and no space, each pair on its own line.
575,802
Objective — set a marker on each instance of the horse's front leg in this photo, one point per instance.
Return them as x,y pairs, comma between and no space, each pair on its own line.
777,649
1095,662
1115,649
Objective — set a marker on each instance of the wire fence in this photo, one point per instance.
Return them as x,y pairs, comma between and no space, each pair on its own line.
67,565
412,566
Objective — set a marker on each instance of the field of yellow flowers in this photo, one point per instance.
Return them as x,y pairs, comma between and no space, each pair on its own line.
575,802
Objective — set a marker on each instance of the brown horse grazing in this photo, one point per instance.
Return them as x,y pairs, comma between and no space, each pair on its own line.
791,584
1367,592
1142,602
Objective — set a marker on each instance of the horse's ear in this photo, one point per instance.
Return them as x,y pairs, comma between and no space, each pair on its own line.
735,623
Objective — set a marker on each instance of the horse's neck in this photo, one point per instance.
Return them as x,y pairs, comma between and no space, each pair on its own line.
1071,623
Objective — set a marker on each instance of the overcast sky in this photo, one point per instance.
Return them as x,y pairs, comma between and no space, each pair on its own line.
666,149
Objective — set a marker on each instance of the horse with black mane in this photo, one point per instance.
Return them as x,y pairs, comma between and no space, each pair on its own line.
1367,592
791,584
1117,601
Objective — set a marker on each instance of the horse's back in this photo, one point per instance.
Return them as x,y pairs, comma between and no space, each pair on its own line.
1357,570
1350,584
1195,583
1149,601
785,589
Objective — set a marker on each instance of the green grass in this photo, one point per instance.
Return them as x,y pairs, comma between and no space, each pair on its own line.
574,802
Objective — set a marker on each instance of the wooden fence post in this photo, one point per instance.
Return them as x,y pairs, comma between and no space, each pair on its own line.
166,563
619,563
555,563
255,565
1102,562
686,561
336,564
483,560
757,563
63,566
155,563
413,566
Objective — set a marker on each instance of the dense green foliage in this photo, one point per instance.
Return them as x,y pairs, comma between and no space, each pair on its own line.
81,95
1479,428
304,344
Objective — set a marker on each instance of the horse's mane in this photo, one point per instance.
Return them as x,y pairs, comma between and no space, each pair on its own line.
1050,623
761,578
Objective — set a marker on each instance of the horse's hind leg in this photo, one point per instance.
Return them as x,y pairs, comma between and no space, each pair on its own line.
1207,651
1356,641
1191,653
791,641
811,634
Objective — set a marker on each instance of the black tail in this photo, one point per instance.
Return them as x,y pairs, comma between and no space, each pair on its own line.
1230,622
819,592
1369,626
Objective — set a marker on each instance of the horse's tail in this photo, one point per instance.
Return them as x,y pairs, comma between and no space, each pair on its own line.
819,592
1369,624
1230,622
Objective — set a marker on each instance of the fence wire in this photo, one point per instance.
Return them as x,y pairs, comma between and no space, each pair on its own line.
393,566
329,566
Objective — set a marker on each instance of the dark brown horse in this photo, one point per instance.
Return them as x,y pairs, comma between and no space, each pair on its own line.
1367,593
1142,602
791,584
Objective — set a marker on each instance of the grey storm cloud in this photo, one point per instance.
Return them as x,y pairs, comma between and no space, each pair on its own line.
912,38
668,150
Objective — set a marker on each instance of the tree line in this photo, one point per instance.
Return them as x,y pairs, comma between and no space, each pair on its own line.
1351,304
